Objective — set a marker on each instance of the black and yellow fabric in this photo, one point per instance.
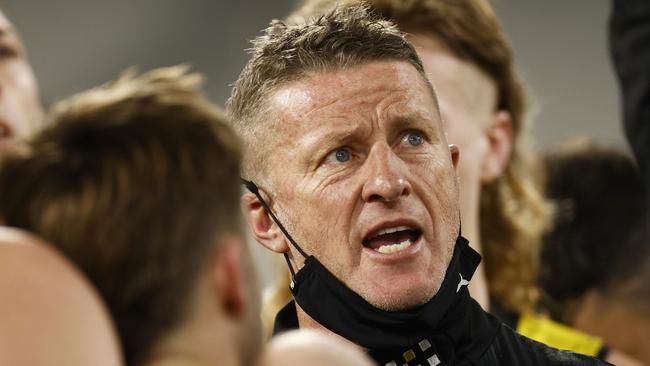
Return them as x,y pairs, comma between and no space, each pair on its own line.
557,335
454,329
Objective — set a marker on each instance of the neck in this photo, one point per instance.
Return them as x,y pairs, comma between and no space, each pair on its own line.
307,322
617,321
177,360
187,349
204,339
192,350
478,286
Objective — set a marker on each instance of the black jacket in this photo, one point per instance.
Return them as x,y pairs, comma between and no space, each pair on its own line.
463,333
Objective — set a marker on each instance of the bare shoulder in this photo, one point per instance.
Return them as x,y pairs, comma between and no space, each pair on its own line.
51,315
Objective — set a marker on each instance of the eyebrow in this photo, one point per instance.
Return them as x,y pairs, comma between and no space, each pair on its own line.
334,137
317,144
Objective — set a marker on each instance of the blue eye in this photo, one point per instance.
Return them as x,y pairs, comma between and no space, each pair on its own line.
414,138
342,155
338,156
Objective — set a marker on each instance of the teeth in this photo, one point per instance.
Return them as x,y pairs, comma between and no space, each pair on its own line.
392,248
391,230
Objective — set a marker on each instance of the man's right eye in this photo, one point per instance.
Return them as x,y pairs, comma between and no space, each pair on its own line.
340,155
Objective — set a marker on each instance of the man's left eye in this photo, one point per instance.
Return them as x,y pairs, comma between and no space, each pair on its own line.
414,138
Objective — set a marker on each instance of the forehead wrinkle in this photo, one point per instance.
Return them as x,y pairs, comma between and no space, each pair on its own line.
336,99
344,130
409,110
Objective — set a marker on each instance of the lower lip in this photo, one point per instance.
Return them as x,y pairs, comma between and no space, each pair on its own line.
388,258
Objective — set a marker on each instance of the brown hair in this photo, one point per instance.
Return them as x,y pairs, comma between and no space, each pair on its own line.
599,237
134,181
344,37
513,212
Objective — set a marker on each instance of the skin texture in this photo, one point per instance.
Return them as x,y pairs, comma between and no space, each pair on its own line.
623,324
483,133
20,108
308,347
50,314
370,111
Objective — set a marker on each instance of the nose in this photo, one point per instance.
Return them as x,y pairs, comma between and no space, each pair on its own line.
386,179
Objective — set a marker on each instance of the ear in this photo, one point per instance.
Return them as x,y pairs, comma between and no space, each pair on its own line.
228,280
263,228
455,155
499,137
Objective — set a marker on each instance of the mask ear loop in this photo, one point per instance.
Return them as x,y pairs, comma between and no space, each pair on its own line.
255,190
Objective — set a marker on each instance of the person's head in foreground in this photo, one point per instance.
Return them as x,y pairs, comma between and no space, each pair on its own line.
137,183
351,176
596,257
483,104
50,314
309,347
20,106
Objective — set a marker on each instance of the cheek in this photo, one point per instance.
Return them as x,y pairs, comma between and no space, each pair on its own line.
442,182
334,212
20,90
322,214
24,82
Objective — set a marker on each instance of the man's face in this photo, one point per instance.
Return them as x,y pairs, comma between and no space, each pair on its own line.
467,100
20,107
360,171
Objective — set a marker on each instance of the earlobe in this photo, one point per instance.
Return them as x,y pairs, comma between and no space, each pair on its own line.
263,228
499,135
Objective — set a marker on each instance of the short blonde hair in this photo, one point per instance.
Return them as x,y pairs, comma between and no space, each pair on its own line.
341,38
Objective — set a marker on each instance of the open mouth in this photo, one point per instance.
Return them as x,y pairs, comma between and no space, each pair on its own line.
392,240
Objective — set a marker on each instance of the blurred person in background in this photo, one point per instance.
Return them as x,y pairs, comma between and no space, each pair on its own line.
20,107
629,35
352,180
137,182
596,258
50,314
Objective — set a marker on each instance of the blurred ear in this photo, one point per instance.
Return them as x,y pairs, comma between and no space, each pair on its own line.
455,156
500,143
262,227
227,276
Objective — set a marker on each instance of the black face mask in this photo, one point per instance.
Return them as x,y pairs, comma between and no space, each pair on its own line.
332,304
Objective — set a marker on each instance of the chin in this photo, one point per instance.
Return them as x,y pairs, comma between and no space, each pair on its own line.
396,298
